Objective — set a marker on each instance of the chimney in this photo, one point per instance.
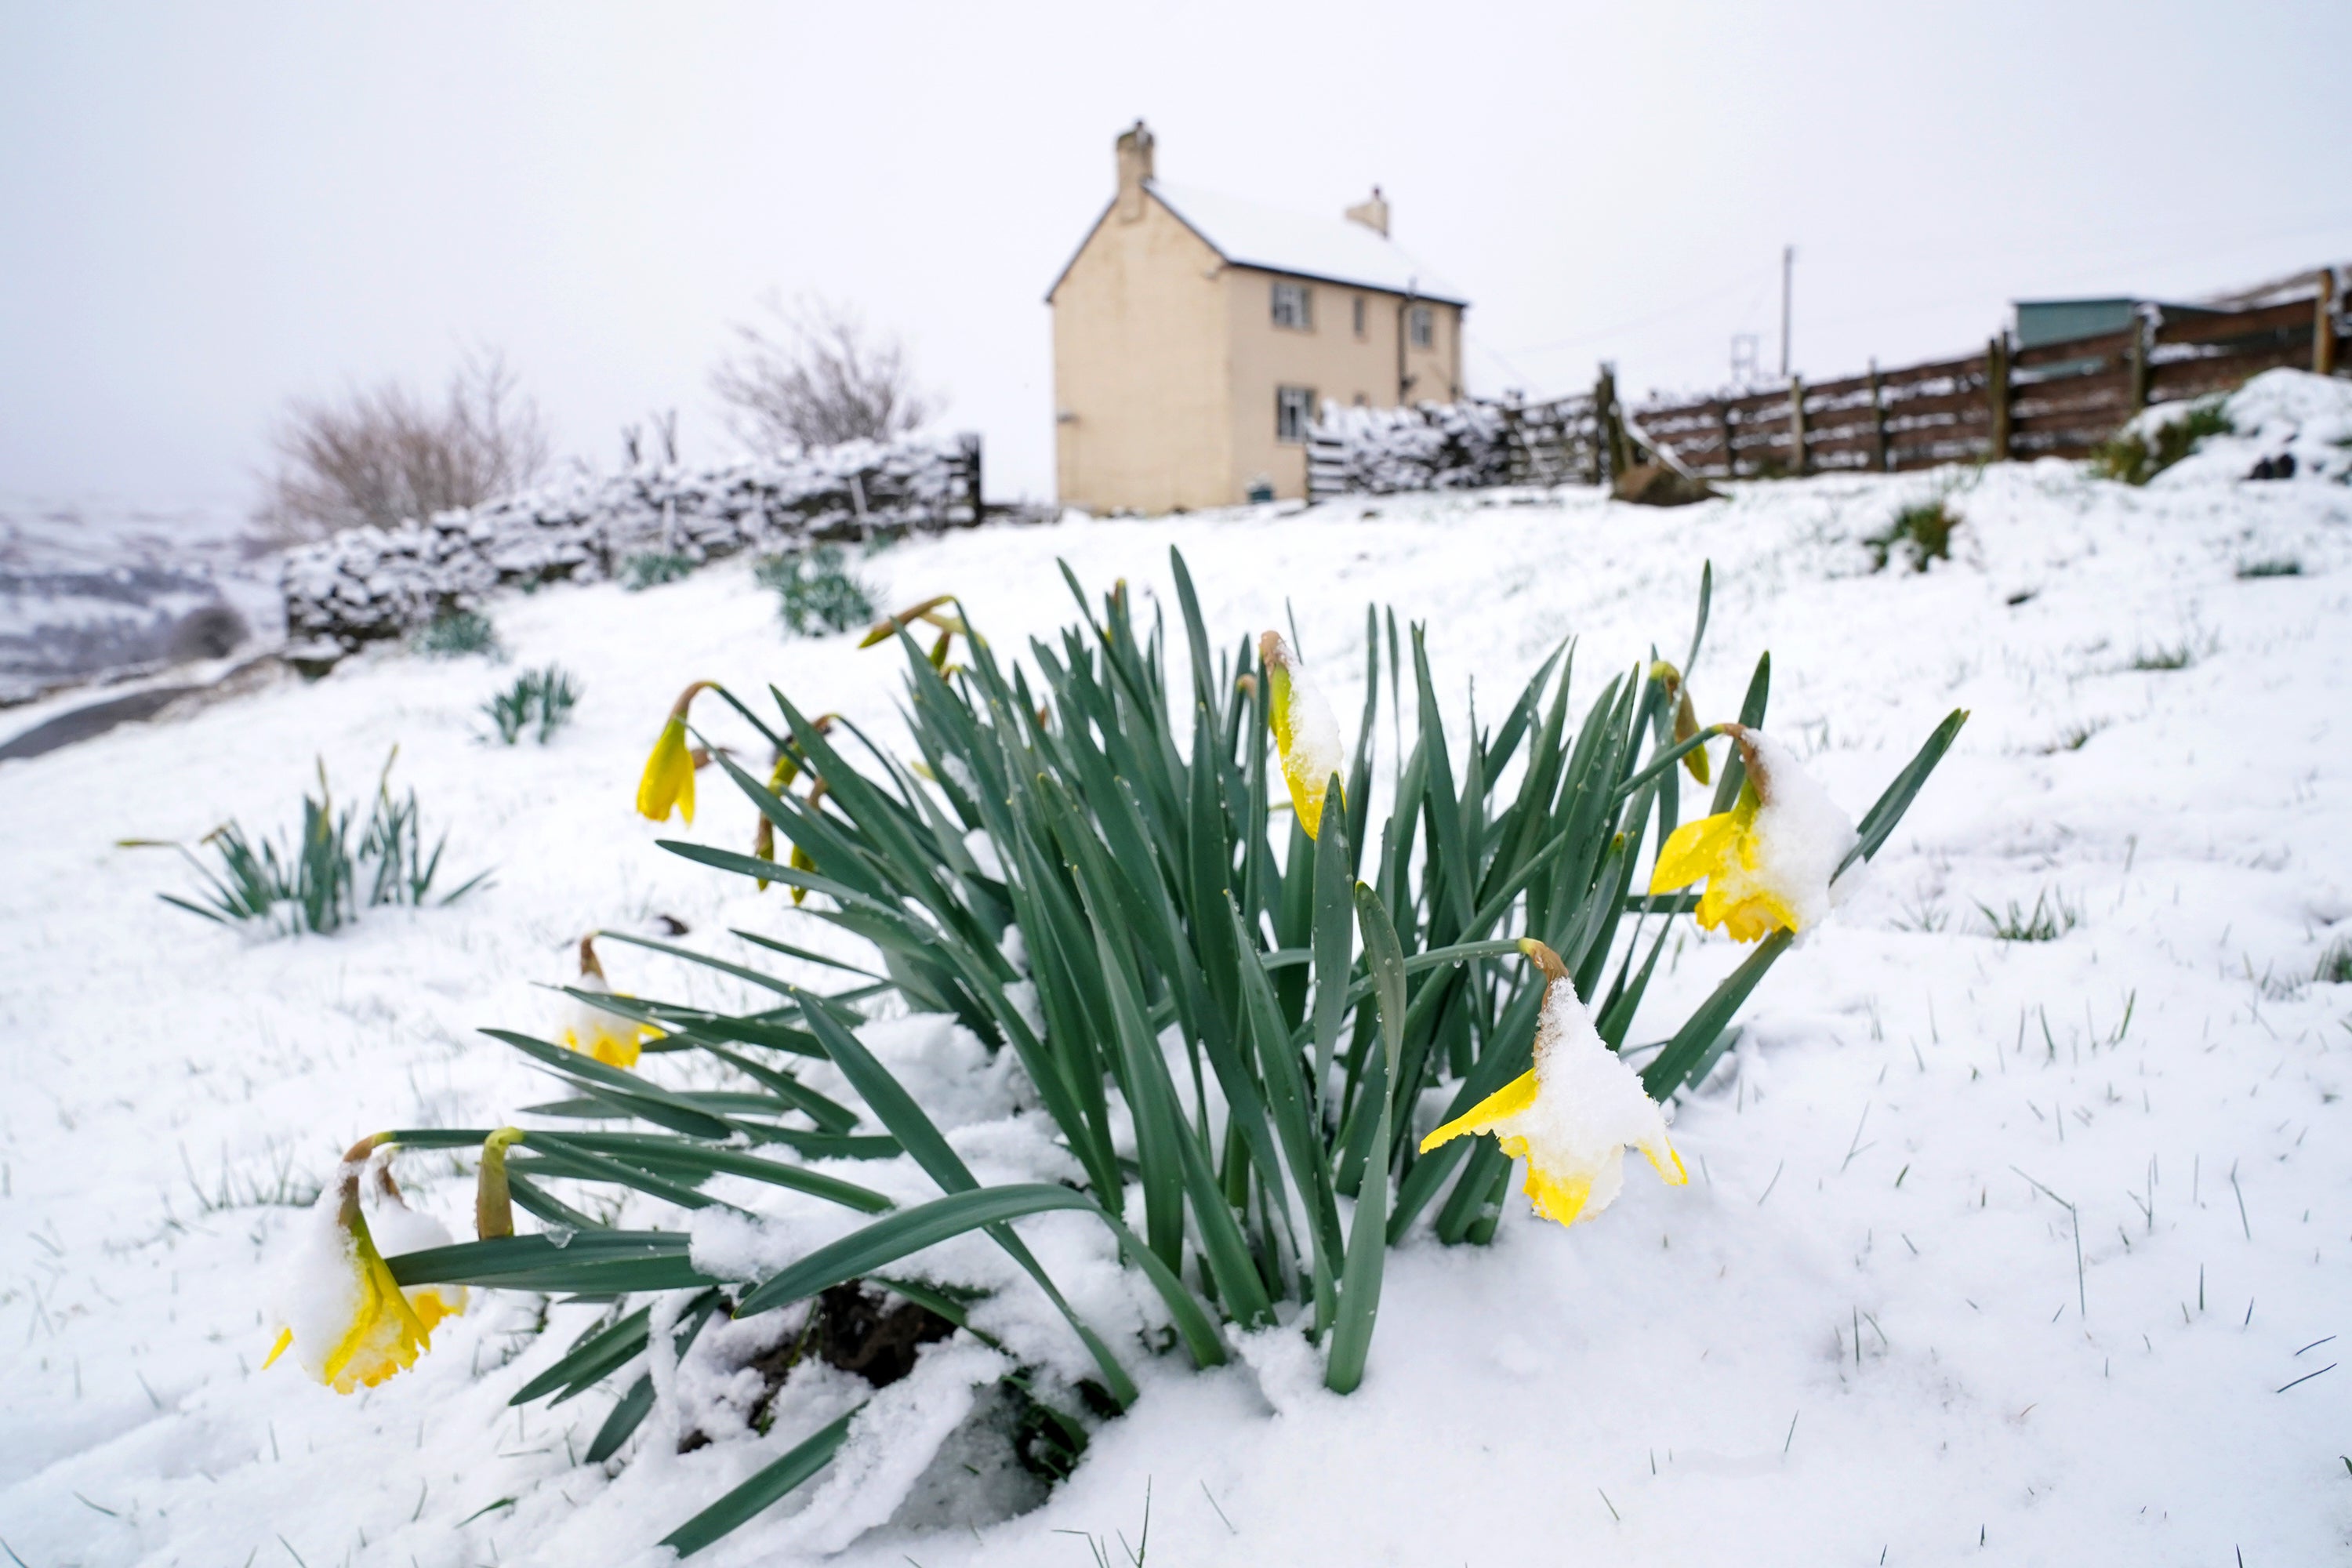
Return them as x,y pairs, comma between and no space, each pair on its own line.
1374,214
1134,169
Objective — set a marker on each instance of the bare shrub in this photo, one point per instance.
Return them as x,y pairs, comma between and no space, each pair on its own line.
817,378
383,455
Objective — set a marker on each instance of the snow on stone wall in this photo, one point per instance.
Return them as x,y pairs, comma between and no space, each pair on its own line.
372,582
1432,447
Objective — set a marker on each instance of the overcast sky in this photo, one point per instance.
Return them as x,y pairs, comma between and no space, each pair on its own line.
206,209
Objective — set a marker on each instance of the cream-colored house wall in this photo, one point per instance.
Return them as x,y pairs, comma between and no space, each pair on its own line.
1142,379
1329,358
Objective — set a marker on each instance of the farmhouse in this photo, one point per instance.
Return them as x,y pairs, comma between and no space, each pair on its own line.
1196,337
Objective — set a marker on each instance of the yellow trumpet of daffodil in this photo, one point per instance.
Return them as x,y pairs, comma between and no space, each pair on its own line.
1572,1115
1770,861
599,1032
1305,732
347,1320
1686,718
668,779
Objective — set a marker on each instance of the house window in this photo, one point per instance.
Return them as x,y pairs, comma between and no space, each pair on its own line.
1424,327
1291,307
1359,315
1293,411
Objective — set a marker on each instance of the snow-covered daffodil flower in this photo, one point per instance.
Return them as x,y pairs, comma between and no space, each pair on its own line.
1572,1115
1769,861
347,1320
668,779
1305,732
599,1032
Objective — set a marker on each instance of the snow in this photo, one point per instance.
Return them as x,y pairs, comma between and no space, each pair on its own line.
1335,249
1801,836
2280,413
1862,1328
1589,1109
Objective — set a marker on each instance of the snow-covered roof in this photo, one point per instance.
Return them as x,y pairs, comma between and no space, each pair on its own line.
1332,249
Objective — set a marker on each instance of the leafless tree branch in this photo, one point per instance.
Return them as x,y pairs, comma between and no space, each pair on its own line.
385,453
817,378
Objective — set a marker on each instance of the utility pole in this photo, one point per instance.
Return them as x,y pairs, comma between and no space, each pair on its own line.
1788,275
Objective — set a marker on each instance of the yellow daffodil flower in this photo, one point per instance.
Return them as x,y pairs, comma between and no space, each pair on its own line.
347,1320
1769,860
1686,718
1573,1114
596,1031
1305,732
668,779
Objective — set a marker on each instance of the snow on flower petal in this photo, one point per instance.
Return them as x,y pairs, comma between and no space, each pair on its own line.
1572,1115
348,1323
599,1032
1304,730
1771,861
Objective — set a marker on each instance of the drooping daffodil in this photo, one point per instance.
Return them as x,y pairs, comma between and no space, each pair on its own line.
349,1323
1573,1114
930,612
668,779
599,1032
1770,862
1306,732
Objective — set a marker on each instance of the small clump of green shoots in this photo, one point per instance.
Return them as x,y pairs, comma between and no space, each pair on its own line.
652,568
2271,566
2147,447
815,591
540,702
1920,533
319,881
2052,916
456,634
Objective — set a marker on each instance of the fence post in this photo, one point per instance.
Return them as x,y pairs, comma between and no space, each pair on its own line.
1796,426
1997,396
1730,453
970,446
2322,325
1878,425
1604,397
2136,380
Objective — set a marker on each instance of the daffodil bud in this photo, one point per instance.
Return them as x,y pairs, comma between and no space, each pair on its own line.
669,778
1305,732
1573,1114
1686,718
1768,862
493,1199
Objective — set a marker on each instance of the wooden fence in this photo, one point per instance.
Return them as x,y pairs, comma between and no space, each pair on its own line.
2053,400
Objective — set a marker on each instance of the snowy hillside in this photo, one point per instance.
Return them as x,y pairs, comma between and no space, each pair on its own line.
1866,1331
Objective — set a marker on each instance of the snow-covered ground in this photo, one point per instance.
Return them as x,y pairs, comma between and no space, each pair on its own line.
100,591
1866,1332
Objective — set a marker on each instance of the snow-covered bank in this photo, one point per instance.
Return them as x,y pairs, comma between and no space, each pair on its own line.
1861,1327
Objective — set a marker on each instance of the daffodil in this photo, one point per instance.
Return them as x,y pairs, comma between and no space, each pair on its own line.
1770,860
668,779
599,1032
347,1320
1573,1114
1305,732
